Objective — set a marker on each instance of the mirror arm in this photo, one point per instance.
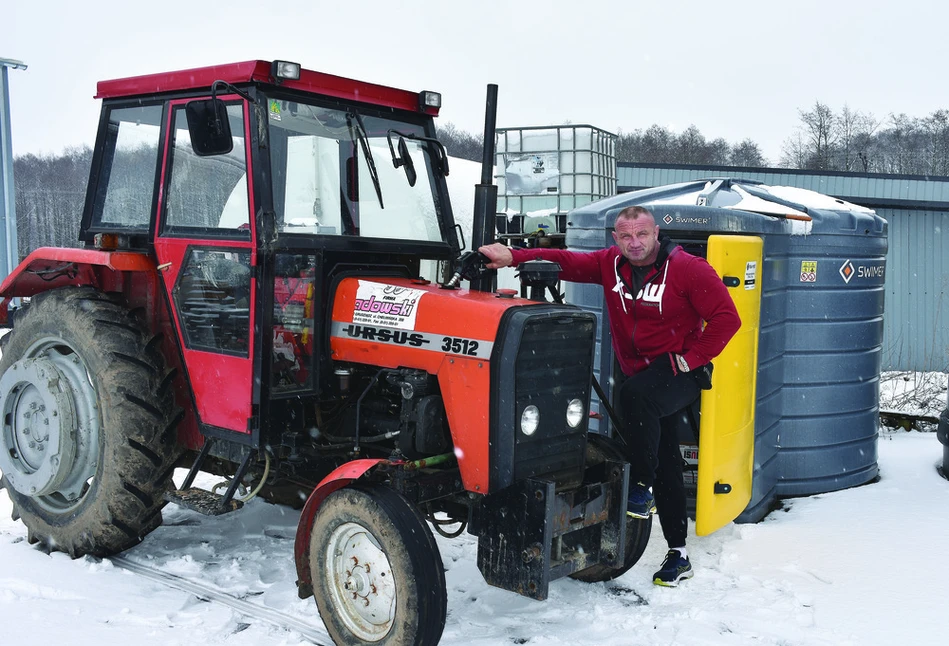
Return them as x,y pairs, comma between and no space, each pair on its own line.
228,86
396,160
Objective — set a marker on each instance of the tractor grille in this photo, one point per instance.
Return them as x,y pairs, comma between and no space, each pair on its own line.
546,361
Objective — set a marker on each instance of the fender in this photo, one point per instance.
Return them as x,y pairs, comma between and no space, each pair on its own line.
48,268
337,479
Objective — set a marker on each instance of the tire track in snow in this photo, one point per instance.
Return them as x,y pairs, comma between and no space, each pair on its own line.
315,634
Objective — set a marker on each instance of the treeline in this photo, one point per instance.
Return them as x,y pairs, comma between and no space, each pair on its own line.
659,145
50,189
847,140
50,193
654,145
855,141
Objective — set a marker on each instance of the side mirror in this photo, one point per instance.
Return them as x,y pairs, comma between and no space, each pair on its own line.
407,162
209,127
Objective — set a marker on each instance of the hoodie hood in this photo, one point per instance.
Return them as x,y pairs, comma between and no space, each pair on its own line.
666,249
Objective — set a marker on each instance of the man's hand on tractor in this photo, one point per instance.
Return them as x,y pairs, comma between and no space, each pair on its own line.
499,255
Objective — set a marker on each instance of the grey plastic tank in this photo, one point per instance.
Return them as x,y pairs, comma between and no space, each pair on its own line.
820,341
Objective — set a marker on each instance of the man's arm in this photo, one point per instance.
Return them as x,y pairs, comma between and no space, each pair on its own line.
714,304
575,266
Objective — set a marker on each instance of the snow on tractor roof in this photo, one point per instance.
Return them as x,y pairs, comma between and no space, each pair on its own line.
260,72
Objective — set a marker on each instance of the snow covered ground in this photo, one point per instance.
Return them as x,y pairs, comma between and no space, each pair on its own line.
862,566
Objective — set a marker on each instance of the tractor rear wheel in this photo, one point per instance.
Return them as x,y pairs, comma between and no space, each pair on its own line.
87,423
599,449
377,574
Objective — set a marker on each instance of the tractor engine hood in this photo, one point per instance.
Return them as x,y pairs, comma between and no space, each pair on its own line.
393,322
484,349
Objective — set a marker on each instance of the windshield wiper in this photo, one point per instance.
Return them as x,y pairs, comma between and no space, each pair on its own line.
364,142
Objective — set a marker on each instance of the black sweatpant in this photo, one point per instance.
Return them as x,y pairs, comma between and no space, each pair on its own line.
648,404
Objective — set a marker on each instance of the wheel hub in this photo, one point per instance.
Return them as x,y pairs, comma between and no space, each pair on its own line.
38,427
364,590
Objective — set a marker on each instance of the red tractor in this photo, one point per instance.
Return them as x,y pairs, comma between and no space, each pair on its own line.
269,290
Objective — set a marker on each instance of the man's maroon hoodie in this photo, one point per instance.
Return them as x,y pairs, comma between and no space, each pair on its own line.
679,292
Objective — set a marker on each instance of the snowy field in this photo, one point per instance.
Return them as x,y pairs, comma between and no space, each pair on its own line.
861,566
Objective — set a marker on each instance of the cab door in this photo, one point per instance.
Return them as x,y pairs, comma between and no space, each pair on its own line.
205,243
727,429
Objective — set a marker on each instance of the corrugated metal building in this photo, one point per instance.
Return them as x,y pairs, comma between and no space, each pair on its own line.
916,327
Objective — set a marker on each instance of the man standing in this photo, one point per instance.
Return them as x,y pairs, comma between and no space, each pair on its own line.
670,315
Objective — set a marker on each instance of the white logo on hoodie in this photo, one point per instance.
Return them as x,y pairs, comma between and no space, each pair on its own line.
650,292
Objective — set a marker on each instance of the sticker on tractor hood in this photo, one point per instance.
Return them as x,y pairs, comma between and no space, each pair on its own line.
422,340
386,305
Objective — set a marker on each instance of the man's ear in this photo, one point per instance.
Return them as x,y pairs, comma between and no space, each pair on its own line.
615,239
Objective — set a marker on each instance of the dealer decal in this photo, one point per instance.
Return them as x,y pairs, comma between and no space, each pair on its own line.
422,340
386,305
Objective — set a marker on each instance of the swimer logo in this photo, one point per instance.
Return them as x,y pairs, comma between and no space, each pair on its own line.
847,271
866,271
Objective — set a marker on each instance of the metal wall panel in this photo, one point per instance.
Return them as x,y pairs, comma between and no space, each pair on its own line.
916,329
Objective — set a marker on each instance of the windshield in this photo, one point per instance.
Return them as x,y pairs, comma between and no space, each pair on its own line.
333,174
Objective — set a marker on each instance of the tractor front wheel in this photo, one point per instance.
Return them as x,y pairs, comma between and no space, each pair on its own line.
87,423
599,449
377,574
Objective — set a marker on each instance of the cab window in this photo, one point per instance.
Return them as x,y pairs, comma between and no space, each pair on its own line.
207,196
126,187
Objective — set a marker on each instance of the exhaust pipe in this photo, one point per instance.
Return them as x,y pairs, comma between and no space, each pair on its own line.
486,194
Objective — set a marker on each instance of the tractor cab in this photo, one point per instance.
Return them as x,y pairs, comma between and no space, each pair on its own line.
257,195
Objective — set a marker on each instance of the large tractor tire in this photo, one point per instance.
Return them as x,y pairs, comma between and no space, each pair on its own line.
88,426
599,449
377,574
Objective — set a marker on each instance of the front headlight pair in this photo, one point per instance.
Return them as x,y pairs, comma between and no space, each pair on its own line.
530,417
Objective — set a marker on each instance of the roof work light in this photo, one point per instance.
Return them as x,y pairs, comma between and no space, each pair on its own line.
286,71
429,99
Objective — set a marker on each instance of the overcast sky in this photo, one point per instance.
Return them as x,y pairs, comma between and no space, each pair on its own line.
734,69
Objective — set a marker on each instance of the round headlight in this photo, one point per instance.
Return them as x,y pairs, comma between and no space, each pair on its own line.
530,420
574,413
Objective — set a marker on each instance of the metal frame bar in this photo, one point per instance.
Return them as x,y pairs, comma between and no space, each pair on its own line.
9,254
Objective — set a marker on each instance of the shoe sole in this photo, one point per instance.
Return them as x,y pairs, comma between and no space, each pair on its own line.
675,582
645,516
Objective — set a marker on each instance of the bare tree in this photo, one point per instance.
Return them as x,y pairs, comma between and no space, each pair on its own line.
747,153
936,127
897,144
819,126
854,133
690,147
794,152
718,152
50,192
461,143
658,145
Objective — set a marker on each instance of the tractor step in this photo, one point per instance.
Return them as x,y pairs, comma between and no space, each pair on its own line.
203,501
